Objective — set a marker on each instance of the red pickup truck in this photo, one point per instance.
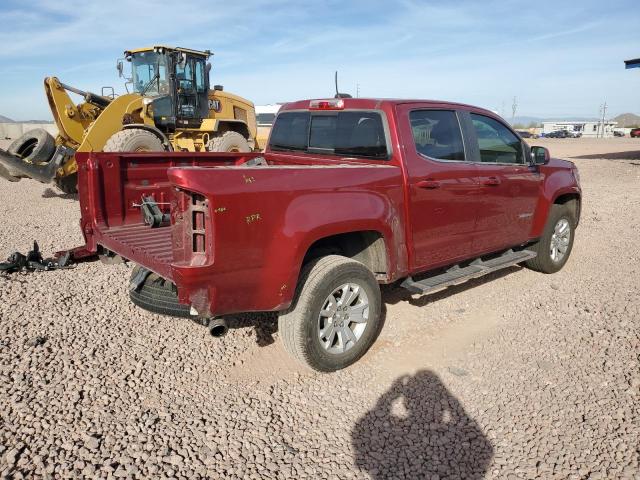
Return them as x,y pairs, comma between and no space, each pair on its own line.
349,194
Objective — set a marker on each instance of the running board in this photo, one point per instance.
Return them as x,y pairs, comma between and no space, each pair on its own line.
457,275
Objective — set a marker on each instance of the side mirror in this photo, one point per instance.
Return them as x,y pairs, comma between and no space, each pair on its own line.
120,68
540,155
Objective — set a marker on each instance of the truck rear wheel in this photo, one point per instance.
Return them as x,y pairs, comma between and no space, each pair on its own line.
133,140
228,142
336,314
555,245
35,146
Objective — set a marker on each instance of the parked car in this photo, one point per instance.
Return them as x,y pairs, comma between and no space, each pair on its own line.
349,194
560,134
635,133
526,134
618,133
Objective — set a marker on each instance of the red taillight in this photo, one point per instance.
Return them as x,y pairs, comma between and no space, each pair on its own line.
330,104
198,229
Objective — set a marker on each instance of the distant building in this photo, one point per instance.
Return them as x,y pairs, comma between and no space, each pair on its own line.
266,114
585,128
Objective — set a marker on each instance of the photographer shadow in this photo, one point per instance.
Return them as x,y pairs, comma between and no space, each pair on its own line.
418,430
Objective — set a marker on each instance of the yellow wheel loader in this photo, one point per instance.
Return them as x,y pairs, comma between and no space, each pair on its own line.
171,107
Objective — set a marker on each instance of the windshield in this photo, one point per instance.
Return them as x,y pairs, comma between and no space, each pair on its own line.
149,71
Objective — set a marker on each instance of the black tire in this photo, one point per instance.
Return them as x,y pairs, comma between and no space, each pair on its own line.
35,146
299,325
229,142
158,295
68,184
543,262
134,140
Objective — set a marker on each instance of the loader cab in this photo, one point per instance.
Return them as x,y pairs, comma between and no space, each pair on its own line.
176,81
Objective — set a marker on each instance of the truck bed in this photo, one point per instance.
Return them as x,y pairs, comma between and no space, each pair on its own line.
230,221
111,187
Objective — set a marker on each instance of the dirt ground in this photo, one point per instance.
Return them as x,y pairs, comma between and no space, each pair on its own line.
515,375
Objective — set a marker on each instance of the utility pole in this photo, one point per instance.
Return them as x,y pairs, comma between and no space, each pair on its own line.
357,90
603,114
514,107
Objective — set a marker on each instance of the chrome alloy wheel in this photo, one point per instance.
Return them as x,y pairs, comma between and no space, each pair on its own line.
343,318
560,240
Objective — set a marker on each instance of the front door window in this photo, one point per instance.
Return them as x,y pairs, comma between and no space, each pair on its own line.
497,143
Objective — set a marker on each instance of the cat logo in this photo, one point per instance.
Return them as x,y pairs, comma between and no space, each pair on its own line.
215,105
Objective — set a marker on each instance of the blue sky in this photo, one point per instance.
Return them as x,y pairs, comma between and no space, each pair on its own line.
557,58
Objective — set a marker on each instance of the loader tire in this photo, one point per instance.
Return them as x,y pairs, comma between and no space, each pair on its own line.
68,184
229,142
158,295
133,140
35,146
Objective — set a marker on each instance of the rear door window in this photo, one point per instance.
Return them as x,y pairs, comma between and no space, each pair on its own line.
345,133
437,135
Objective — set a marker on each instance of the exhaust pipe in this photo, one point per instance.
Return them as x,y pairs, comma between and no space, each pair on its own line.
218,327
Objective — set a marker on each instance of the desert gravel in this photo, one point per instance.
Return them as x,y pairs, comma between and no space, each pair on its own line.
519,375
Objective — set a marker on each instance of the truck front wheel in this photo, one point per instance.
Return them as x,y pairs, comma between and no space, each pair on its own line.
336,314
555,245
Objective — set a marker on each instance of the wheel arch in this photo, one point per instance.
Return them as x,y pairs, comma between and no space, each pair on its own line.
235,126
150,128
365,246
571,199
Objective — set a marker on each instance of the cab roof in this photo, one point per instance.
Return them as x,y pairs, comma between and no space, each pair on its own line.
380,103
205,53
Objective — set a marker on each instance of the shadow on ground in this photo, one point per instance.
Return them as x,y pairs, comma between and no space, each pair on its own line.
265,325
51,193
612,156
418,430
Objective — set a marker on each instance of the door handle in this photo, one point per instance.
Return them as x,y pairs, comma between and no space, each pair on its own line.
428,184
491,181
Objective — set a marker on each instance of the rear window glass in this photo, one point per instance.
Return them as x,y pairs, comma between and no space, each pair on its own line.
290,132
347,133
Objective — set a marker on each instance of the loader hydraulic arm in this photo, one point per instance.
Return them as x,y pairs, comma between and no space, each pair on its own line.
71,119
92,98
